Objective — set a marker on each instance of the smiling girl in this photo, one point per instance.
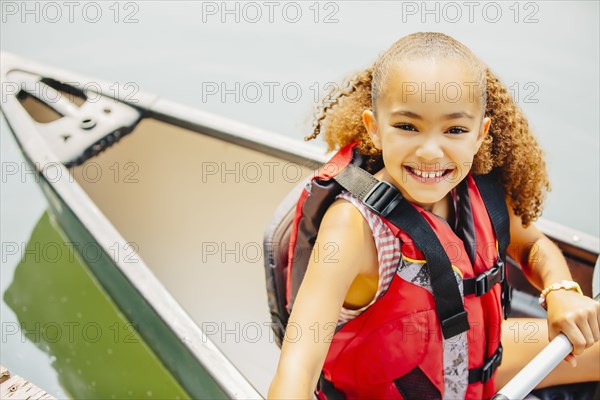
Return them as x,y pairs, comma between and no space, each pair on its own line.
430,119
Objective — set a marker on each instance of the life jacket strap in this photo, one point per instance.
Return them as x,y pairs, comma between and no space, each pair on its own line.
486,371
493,196
387,201
326,390
483,283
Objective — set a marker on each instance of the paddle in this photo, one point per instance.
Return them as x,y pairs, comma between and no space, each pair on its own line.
541,365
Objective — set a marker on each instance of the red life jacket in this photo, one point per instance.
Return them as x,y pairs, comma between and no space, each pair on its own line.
399,347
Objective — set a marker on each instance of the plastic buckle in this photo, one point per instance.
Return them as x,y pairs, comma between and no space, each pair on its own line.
382,198
500,264
488,370
491,365
485,281
486,373
481,283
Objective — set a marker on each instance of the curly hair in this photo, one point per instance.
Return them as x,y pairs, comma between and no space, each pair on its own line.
509,146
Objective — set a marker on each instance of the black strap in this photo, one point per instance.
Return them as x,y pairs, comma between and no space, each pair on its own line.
326,387
387,201
486,371
494,199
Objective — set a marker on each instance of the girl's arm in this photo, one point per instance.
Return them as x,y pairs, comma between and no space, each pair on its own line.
320,297
542,262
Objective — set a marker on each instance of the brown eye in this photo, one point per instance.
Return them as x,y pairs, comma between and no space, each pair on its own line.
457,130
405,127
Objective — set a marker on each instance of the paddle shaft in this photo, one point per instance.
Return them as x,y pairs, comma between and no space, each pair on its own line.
541,365
533,373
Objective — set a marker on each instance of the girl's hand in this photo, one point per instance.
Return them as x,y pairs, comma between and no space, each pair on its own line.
577,316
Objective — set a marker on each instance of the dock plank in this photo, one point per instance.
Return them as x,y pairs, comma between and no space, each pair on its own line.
4,374
15,387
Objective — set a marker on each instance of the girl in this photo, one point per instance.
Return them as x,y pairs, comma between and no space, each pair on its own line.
434,115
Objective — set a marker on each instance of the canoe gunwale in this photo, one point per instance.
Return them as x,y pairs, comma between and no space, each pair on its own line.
233,383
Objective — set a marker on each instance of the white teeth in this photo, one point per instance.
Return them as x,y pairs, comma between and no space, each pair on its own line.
428,174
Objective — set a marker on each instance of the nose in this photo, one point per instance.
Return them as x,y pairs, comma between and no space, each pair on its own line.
429,148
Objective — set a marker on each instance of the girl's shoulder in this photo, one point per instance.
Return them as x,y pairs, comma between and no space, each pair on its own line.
368,215
346,231
344,212
353,215
348,214
378,228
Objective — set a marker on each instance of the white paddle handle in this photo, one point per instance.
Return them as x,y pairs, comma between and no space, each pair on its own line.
541,365
537,369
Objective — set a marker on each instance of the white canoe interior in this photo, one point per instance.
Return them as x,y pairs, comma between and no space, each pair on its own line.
195,208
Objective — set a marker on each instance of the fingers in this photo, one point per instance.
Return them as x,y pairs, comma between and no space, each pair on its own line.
589,324
571,360
594,323
582,327
576,337
588,336
575,332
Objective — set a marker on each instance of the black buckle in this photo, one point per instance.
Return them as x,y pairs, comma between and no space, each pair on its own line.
486,371
485,281
486,374
382,198
491,365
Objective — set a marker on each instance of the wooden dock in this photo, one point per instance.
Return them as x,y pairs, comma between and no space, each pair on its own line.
16,387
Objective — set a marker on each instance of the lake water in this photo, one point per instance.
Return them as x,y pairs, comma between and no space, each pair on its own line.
266,64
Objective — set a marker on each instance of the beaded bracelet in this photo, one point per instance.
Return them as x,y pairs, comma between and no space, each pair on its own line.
564,284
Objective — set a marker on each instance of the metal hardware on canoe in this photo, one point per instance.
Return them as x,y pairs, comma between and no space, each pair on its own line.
81,132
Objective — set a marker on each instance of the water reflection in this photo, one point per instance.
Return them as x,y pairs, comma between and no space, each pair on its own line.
64,311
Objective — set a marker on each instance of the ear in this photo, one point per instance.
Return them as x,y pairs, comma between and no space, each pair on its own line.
483,131
370,124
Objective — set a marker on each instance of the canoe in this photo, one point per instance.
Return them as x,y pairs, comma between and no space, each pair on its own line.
178,200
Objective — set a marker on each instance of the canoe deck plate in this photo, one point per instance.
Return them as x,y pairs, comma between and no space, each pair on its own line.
82,131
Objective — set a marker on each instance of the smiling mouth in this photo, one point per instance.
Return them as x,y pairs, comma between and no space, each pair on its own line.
426,175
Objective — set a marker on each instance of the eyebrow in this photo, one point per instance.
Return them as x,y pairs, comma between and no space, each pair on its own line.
411,114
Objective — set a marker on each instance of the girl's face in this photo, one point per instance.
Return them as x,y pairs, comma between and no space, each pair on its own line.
429,126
